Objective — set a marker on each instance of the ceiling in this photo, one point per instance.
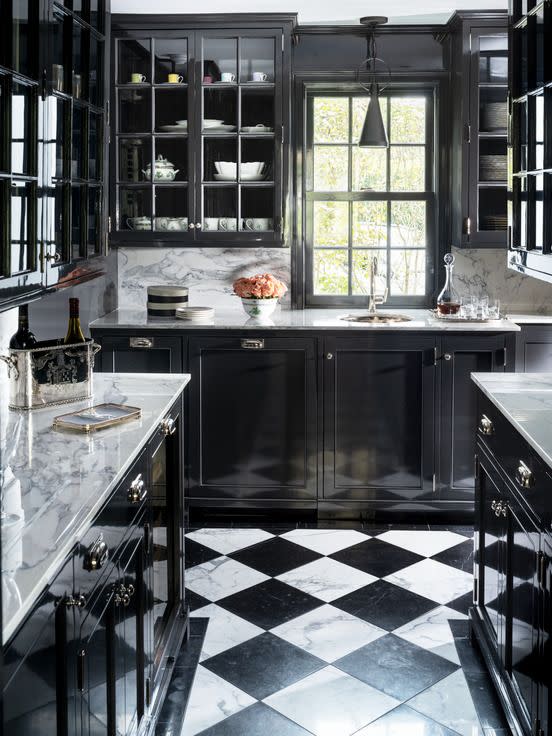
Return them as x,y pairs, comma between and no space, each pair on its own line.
319,11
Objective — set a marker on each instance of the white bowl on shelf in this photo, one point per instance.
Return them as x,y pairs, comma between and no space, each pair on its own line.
211,123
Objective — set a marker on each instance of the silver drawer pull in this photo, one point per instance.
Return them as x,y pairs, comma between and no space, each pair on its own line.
524,476
141,342
78,601
168,426
252,343
485,425
137,491
97,555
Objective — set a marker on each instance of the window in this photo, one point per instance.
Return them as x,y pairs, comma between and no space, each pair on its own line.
366,202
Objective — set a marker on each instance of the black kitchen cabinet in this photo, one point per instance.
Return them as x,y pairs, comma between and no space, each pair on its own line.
140,354
479,124
379,404
201,108
252,420
458,357
534,349
545,641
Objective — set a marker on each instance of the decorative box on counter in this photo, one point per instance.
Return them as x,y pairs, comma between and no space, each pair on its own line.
50,373
163,301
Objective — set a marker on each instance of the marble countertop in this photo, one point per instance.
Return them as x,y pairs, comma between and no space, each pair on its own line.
53,483
531,319
422,320
525,399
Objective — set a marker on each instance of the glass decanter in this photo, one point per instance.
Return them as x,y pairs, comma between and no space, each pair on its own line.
448,301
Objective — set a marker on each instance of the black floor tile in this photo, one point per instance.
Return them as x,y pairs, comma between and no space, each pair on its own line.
196,553
195,601
396,666
263,665
462,604
384,604
459,556
485,701
270,603
404,721
191,647
257,720
275,556
377,557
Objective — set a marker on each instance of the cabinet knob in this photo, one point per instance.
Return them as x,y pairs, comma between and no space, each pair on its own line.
494,504
55,257
168,426
198,226
329,356
524,476
97,555
137,491
485,425
447,356
191,226
78,601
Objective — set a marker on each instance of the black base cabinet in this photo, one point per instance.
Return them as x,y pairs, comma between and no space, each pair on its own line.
511,614
93,657
534,349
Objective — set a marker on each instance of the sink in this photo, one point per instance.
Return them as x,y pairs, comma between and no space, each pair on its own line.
378,318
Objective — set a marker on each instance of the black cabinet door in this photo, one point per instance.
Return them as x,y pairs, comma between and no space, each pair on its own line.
534,349
522,649
253,410
141,354
378,418
458,358
491,551
544,676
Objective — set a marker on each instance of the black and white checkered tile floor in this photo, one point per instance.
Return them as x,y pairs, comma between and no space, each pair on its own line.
335,632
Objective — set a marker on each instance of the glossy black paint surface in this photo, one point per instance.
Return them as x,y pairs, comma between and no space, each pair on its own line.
534,349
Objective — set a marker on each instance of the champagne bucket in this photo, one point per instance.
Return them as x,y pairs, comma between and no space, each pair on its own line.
50,373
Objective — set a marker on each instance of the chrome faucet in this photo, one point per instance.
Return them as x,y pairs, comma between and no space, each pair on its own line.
375,299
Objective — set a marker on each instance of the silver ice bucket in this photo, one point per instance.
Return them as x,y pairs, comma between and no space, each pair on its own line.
50,373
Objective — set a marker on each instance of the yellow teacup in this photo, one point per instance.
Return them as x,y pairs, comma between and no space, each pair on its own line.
176,78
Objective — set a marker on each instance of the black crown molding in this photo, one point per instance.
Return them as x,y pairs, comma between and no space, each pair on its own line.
201,20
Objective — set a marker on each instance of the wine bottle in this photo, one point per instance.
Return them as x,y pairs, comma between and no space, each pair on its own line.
74,330
23,339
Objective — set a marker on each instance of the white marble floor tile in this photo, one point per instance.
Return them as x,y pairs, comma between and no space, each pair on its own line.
328,633
227,541
326,579
433,580
325,541
421,542
224,630
449,702
331,703
212,700
432,631
221,577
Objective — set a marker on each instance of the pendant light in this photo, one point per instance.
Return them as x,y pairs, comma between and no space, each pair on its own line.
374,134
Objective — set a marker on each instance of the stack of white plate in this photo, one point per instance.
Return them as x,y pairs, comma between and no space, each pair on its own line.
196,314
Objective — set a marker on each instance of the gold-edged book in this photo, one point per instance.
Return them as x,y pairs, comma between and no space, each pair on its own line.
97,417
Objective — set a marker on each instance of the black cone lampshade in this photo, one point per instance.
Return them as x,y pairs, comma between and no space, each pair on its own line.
373,133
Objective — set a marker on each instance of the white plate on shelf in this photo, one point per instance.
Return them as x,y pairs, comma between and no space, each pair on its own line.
257,129
212,123
220,129
250,177
182,129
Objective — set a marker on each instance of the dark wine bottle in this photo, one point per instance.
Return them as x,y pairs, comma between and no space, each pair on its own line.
74,330
23,338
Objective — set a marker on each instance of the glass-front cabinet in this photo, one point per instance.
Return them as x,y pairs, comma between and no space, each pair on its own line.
198,152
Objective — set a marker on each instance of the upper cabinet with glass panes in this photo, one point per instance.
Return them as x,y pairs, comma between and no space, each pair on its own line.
199,152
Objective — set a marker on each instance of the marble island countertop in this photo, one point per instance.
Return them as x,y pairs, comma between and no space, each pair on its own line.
53,483
422,320
525,399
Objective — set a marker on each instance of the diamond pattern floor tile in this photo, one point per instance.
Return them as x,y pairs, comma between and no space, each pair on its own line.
221,577
224,630
225,541
403,721
275,556
376,557
258,720
432,631
325,541
422,543
433,580
326,579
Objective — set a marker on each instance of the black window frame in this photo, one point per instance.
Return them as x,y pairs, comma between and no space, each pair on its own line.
304,264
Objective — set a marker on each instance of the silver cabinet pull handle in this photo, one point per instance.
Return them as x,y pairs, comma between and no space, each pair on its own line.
524,476
78,601
486,427
168,426
494,504
137,491
97,555
252,343
55,257
198,226
141,342
191,226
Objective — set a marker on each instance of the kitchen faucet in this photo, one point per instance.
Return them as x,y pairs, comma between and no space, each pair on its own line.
375,299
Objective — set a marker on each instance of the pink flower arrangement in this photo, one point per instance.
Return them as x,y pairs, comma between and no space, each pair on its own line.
260,286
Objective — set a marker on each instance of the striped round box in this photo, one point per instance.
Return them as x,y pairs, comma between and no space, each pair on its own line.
163,301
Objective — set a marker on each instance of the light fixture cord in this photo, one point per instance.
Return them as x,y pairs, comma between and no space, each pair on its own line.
372,53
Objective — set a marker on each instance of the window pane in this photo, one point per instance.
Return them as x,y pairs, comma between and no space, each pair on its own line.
331,272
362,269
331,120
408,272
408,120
331,224
331,165
370,224
360,105
408,224
407,169
369,169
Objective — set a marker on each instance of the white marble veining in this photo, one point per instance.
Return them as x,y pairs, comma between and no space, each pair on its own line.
55,482
227,541
432,631
433,580
325,541
531,319
525,399
233,317
328,633
326,579
422,542
221,577
224,630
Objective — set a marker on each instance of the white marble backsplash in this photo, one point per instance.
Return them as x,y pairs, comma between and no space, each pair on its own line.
207,272
479,272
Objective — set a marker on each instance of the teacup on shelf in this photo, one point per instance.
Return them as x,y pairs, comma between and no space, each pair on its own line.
139,223
257,224
171,224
